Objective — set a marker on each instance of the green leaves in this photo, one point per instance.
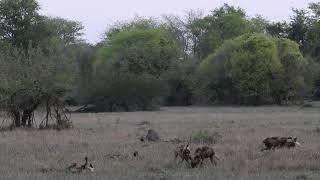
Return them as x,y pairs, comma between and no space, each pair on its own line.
139,50
250,69
129,66
17,21
224,23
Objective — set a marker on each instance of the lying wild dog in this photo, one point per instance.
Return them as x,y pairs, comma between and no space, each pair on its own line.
203,153
183,152
279,142
74,168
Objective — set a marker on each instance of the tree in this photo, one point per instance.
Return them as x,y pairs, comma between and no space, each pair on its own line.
85,56
312,44
18,19
278,29
51,31
224,23
36,61
31,79
291,81
139,50
22,26
136,50
184,31
253,67
213,79
298,26
240,71
259,24
315,8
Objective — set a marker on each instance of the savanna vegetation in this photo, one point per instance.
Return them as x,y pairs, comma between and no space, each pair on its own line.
224,58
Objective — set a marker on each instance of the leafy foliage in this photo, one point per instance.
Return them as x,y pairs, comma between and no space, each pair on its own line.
291,81
36,59
18,19
224,23
138,50
142,52
128,92
249,70
30,78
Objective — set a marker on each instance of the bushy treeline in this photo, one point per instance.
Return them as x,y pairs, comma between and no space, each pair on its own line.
37,64
223,57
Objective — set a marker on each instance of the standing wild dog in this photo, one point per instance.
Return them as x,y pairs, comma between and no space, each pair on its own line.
183,152
279,142
203,153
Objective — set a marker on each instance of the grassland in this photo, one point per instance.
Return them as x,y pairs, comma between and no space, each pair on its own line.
33,154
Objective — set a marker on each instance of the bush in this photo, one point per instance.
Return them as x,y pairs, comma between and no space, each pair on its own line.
213,81
130,66
291,81
128,92
31,79
251,69
139,50
180,84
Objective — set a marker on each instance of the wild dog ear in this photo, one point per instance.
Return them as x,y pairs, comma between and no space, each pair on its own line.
187,147
91,167
295,139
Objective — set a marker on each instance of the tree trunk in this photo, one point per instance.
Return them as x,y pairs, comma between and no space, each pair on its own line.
27,114
16,116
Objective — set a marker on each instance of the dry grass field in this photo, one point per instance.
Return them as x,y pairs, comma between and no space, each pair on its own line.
33,154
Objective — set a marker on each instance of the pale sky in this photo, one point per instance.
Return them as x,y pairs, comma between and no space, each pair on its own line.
97,15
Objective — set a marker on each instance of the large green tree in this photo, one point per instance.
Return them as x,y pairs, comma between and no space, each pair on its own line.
22,26
139,50
224,23
18,20
291,80
251,69
36,60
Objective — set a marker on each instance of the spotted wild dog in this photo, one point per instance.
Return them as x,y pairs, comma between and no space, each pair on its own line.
203,153
279,142
75,169
183,152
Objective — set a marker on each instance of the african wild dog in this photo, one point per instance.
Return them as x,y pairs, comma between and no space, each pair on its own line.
279,142
74,168
183,152
203,153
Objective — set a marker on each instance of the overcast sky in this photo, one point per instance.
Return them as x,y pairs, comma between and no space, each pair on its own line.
97,15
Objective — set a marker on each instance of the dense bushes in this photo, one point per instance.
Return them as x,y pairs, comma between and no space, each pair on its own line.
31,79
128,92
180,84
130,66
36,63
251,69
223,57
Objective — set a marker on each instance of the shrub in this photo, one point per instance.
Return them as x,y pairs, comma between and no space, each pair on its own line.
128,92
180,84
251,69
